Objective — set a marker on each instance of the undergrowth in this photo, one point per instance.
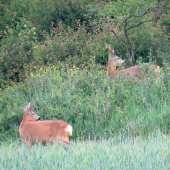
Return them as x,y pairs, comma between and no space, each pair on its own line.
94,105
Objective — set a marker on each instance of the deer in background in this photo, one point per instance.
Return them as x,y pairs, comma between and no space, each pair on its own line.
135,71
33,131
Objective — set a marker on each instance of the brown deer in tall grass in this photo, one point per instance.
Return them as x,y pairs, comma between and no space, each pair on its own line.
135,71
33,131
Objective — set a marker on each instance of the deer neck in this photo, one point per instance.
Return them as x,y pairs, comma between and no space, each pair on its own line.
24,120
22,123
111,69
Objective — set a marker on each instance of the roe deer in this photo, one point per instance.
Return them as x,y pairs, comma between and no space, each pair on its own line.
33,131
135,71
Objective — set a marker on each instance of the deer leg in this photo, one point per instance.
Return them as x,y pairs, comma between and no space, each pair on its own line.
65,142
44,142
30,144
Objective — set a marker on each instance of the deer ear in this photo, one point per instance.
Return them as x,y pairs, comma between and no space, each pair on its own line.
108,47
29,109
26,107
114,51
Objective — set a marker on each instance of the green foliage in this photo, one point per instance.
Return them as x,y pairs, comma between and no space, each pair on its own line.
16,52
164,19
43,13
149,44
73,47
5,15
93,105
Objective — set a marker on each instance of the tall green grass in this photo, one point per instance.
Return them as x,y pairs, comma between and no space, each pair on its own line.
116,153
86,99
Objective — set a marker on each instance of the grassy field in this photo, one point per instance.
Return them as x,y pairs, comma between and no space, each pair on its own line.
92,104
116,153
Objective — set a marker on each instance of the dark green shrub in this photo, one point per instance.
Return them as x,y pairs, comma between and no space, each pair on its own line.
16,52
5,15
44,14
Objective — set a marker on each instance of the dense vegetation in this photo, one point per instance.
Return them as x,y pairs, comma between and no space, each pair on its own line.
92,104
35,33
53,53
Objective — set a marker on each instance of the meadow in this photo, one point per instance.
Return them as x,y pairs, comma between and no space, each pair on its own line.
94,105
115,153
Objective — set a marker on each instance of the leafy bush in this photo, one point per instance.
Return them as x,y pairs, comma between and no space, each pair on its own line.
16,52
43,13
5,15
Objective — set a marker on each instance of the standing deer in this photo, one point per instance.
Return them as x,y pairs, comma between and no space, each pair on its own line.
33,131
135,71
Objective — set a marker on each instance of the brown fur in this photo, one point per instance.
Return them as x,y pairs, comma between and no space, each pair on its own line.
32,131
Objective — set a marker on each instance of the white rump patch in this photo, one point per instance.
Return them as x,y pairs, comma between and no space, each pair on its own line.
69,129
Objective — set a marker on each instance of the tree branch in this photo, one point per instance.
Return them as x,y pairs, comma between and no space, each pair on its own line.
133,26
131,47
128,16
149,9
